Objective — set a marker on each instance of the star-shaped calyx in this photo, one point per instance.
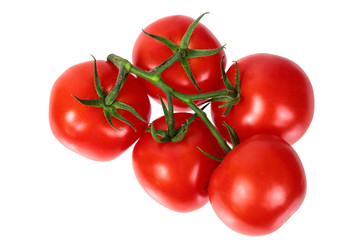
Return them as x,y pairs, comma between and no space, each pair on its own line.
182,53
108,102
231,102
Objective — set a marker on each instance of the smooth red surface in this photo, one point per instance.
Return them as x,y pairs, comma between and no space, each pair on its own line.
276,97
149,53
176,174
258,186
84,129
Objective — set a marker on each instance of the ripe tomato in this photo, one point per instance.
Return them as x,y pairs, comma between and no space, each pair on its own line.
276,97
176,174
84,129
258,186
149,53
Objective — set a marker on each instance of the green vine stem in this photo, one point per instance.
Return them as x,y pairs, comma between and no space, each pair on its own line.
170,118
154,77
211,126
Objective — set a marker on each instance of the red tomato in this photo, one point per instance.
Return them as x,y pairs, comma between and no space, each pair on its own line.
276,97
176,174
84,129
258,186
149,53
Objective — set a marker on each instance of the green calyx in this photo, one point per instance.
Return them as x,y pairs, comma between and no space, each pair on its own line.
182,53
171,134
233,135
108,102
234,97
163,136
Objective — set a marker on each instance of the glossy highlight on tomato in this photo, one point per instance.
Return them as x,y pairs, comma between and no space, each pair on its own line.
176,174
149,53
276,97
258,186
84,129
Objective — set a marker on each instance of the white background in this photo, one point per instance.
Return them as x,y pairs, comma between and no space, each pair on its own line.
49,192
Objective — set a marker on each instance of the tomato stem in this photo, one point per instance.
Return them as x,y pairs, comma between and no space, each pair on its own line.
211,127
114,92
170,118
188,99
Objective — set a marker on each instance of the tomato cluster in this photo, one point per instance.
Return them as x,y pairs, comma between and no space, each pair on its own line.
262,105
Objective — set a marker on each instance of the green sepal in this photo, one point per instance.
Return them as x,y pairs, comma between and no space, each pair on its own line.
193,53
112,112
155,135
99,90
124,106
184,45
219,159
186,38
227,110
226,80
185,64
116,115
174,47
233,135
108,118
229,105
90,102
161,65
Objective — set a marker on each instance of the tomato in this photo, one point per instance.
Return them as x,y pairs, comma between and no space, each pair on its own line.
84,129
276,97
149,53
258,186
176,174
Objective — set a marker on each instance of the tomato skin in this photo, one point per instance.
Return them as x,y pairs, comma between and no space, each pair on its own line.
84,129
276,98
176,174
149,53
258,186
